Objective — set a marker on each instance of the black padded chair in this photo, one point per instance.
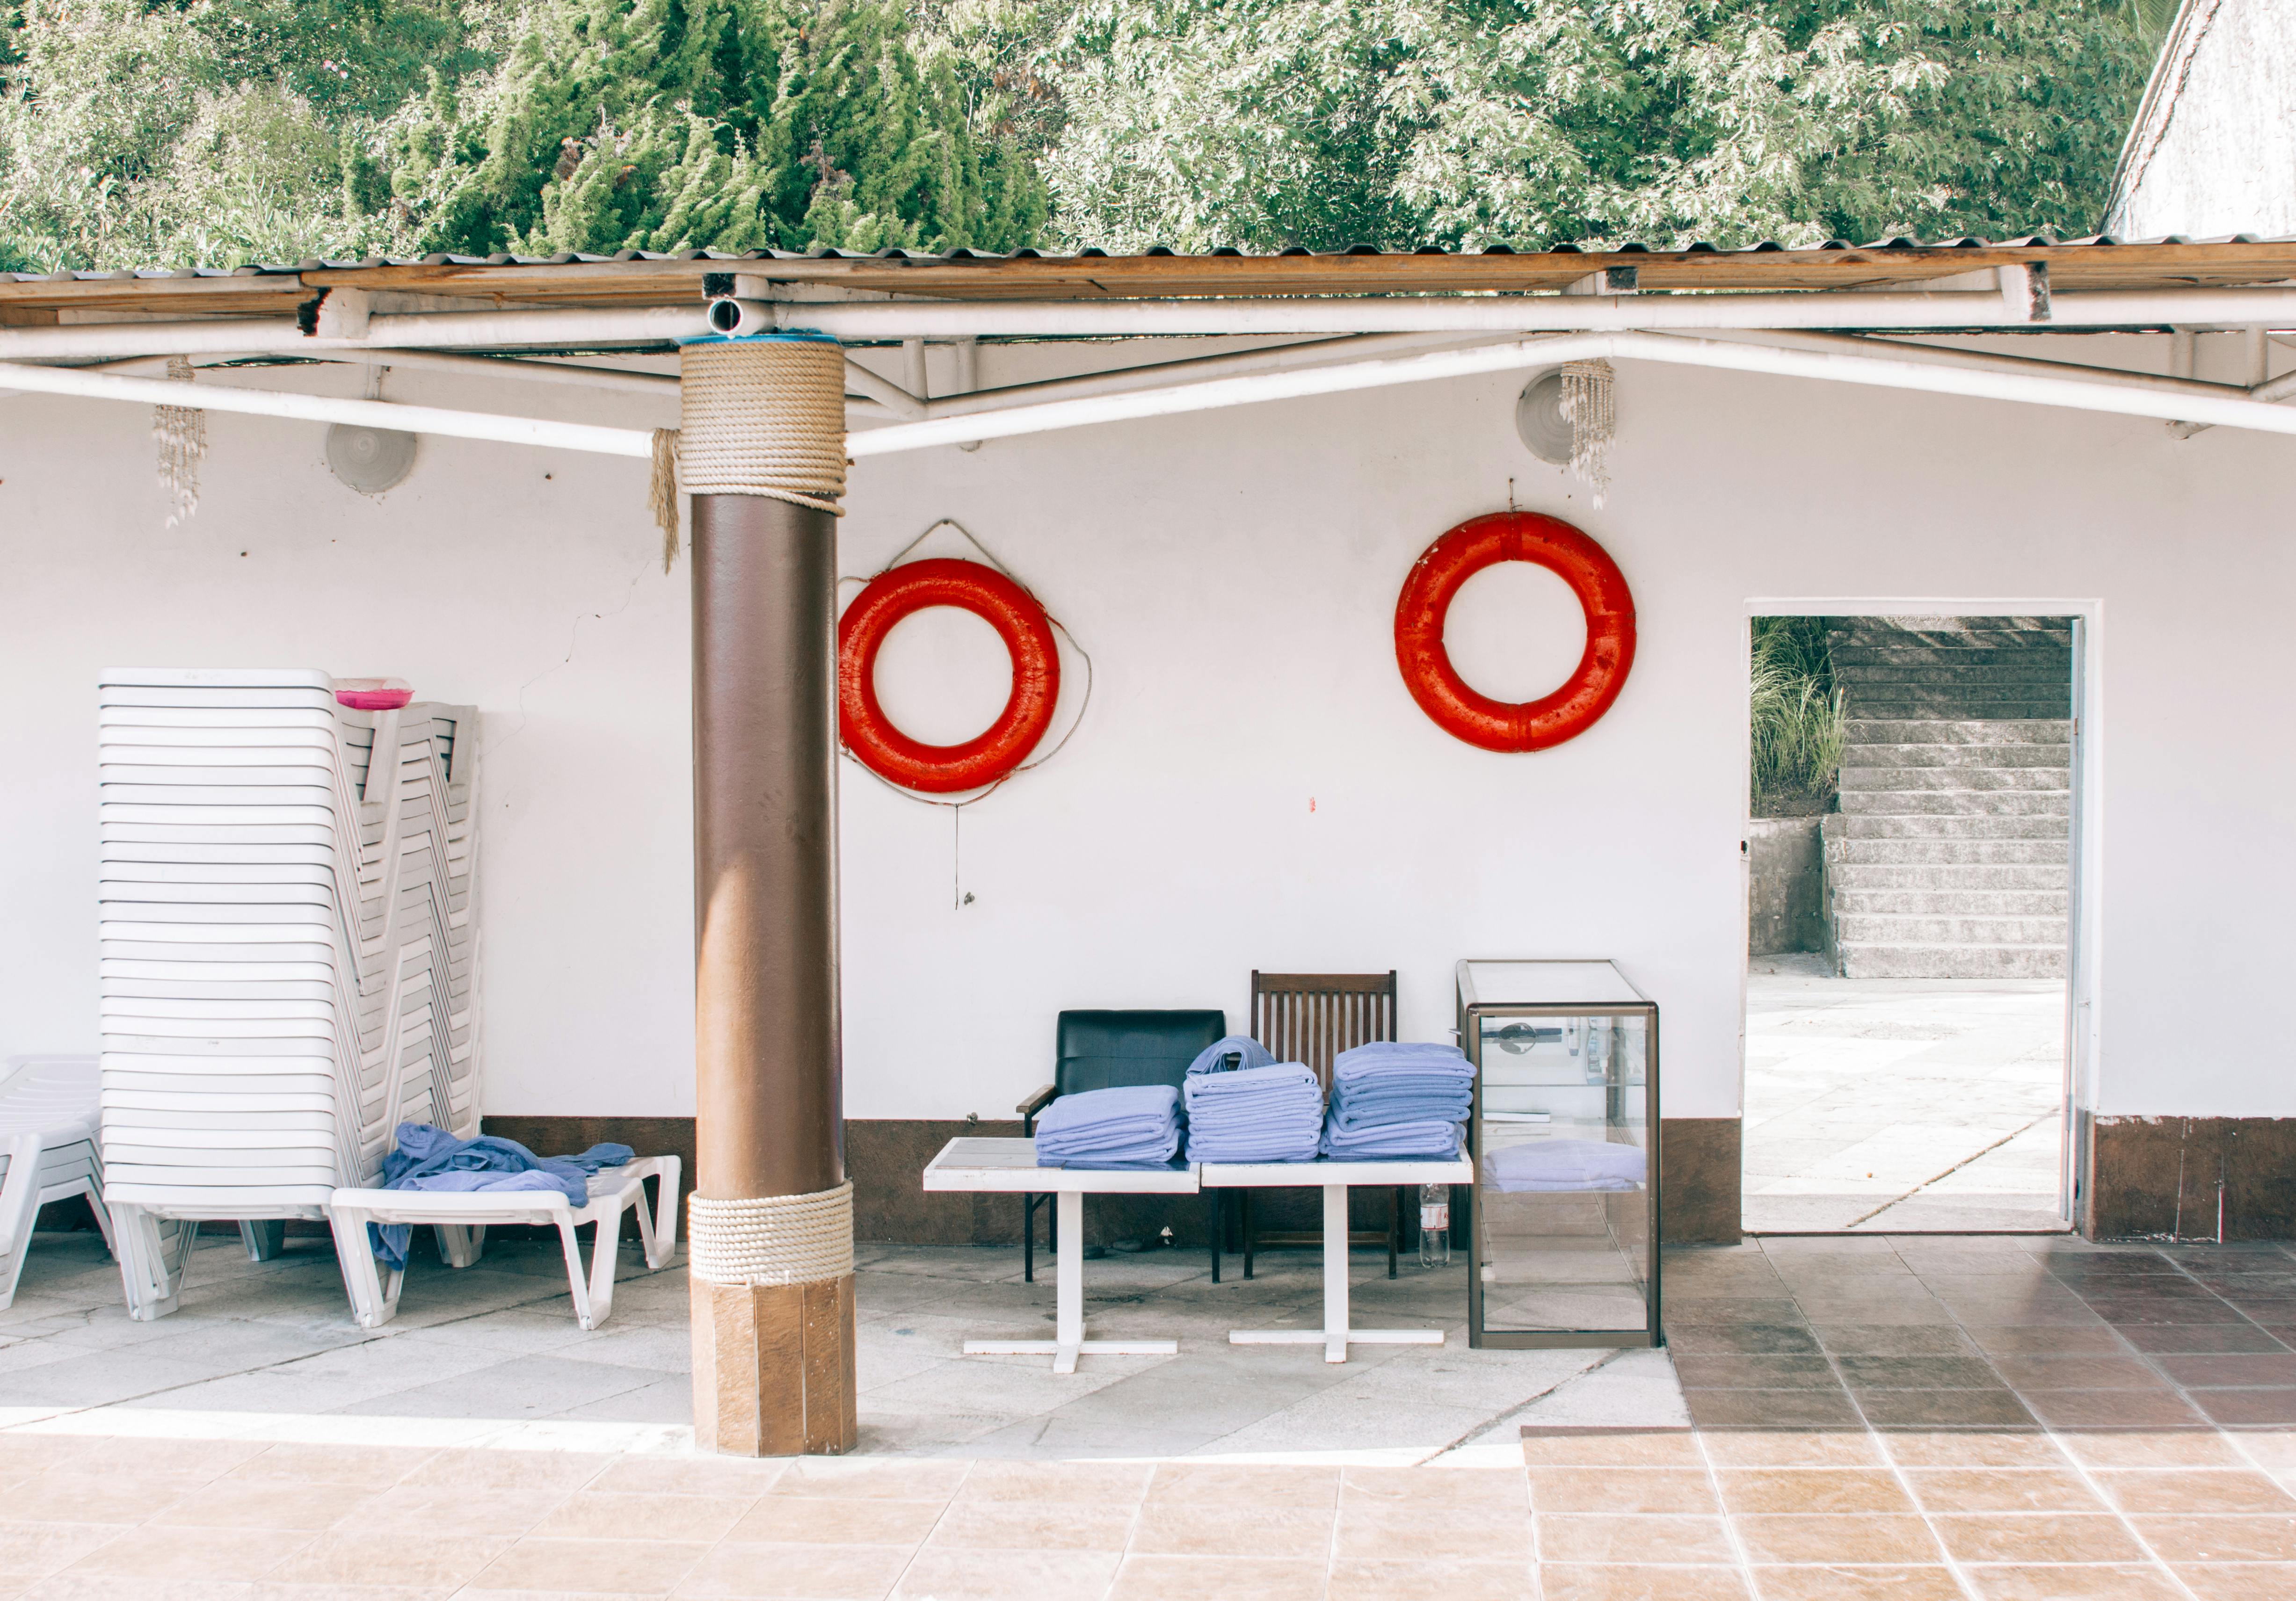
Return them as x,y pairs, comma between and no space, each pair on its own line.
1110,1050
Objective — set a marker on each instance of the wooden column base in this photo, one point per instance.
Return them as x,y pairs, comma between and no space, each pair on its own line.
773,1368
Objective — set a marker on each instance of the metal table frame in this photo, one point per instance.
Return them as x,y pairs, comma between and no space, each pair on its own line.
1010,1165
1334,1178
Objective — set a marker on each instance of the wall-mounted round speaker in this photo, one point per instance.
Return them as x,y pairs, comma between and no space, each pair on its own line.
1539,418
370,460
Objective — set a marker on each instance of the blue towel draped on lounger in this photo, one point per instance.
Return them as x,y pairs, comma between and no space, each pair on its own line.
1266,1114
1132,1125
431,1158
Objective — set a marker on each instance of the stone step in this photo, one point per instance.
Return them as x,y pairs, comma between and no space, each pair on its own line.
2029,675
1863,654
1957,803
1904,852
1946,630
1860,877
2017,753
1951,961
1900,702
1989,731
1848,901
1965,827
1907,780
1871,928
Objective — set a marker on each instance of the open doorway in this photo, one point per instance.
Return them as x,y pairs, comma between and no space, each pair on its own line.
1910,938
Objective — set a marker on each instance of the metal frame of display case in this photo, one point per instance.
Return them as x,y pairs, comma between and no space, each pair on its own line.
1653,1333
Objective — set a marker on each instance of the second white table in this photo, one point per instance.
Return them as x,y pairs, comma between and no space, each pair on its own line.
1333,1178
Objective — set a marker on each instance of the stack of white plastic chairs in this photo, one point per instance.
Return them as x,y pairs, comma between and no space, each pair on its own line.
47,1150
288,950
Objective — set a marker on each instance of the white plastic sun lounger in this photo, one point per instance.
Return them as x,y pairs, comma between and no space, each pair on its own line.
462,1217
47,1151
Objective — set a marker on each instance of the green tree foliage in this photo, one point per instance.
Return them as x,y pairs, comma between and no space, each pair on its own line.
725,124
1262,124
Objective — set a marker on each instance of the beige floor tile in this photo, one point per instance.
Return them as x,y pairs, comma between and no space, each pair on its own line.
1840,1538
1451,1579
1102,1484
1858,1584
2150,1448
1569,1582
361,1557
2239,1581
1811,1490
1484,1489
265,1504
2076,1372
944,1575
1621,1490
1792,1448
820,1573
433,1512
1181,1529
33,1551
849,1479
688,1475
1596,1537
200,1460
72,1496
816,1520
166,1554
1970,1448
1010,1526
1611,1448
2002,1489
23,1455
2038,1537
2179,1539
1167,1577
373,1466
113,1587
2202,1489
608,1515
1407,1533
274,1590
1258,1486
2128,1583
527,1472
628,1567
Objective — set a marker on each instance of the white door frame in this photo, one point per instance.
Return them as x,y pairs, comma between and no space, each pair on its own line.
2084,922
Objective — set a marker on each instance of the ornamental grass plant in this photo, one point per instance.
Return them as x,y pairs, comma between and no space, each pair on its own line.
1796,722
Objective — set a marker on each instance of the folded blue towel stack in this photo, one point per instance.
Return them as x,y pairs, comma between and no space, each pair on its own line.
1268,1113
1134,1126
431,1158
1396,1101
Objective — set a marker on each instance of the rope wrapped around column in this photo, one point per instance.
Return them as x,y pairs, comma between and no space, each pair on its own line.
764,415
771,1239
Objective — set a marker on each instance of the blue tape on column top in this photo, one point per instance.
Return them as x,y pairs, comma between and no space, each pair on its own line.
784,336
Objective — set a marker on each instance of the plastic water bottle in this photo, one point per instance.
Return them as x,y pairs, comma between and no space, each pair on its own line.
1434,1225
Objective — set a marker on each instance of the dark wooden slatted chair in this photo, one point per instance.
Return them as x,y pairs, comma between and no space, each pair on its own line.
1109,1050
1311,1018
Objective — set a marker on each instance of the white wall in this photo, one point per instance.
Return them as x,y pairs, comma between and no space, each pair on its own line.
1233,576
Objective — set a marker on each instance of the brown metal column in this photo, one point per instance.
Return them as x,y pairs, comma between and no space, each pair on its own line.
772,1306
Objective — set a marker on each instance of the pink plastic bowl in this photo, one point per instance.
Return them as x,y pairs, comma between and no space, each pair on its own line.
373,694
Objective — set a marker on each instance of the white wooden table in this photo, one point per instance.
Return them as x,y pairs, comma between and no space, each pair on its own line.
1007,1164
1334,1178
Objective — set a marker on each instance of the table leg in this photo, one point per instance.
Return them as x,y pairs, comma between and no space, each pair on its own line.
1068,1301
1335,1272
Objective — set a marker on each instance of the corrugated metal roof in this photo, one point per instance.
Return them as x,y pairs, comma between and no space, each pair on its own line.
637,277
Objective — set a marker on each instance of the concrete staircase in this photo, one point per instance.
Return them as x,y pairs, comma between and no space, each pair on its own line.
1950,857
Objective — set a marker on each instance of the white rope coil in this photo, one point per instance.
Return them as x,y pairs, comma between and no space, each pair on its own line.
771,1239
1593,423
764,417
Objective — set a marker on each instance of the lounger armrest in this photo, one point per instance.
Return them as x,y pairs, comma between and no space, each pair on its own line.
1036,1102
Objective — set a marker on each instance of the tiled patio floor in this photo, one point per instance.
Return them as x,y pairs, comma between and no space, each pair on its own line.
1998,1418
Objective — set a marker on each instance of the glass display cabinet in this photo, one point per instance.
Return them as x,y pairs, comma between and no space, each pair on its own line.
1564,1223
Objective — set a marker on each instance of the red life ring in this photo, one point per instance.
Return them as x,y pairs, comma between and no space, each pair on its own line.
1421,610
1004,606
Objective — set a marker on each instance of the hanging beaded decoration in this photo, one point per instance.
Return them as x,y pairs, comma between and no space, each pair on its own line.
1587,404
182,432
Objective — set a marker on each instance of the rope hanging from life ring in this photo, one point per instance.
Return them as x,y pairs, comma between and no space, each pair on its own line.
900,592
1444,567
